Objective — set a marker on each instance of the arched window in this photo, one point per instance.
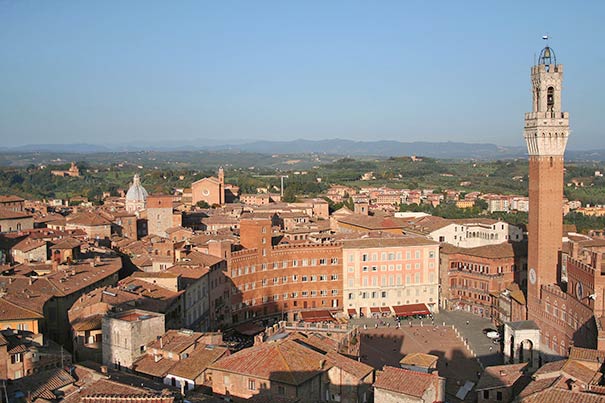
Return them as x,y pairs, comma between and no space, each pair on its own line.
550,98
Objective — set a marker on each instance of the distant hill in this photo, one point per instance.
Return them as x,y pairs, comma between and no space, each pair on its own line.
381,148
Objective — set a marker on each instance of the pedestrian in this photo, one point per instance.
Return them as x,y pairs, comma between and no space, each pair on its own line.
491,348
467,323
375,325
365,327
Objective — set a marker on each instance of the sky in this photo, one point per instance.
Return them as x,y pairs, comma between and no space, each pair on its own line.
147,72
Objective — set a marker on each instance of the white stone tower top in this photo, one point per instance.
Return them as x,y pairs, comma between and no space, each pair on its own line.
546,126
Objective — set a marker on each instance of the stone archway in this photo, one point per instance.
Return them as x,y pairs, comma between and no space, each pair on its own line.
526,351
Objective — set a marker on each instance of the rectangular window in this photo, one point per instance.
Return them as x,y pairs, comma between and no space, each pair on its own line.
334,260
251,384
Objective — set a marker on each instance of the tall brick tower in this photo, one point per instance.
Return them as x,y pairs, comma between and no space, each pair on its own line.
546,131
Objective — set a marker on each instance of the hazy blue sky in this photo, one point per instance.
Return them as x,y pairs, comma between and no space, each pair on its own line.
118,71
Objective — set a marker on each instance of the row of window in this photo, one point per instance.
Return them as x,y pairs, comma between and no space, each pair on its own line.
284,264
391,267
384,294
392,280
373,257
286,296
295,278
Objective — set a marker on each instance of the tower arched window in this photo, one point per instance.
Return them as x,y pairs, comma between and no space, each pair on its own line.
550,98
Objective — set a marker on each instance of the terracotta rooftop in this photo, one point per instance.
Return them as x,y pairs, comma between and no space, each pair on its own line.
11,199
41,385
355,368
499,251
6,214
586,354
407,382
384,242
66,243
32,293
88,219
555,395
419,360
175,341
198,361
195,257
501,376
29,244
282,361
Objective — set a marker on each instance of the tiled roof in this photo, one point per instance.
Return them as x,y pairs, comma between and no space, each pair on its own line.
11,199
539,385
575,369
586,354
66,243
110,391
355,368
555,395
407,382
499,251
175,341
419,360
198,361
88,219
42,384
9,310
550,368
6,214
205,259
87,323
32,293
384,242
282,361
29,244
500,376
149,366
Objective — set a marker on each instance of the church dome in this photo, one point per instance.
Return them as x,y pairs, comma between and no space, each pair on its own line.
137,192
547,57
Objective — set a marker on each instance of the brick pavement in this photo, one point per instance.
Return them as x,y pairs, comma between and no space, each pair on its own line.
387,346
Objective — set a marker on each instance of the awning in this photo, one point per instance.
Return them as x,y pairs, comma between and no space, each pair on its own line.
374,309
352,311
316,316
410,310
385,309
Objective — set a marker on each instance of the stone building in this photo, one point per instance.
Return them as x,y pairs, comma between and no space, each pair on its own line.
159,214
12,221
126,335
73,171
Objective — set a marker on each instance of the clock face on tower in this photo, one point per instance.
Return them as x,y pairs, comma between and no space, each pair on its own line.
532,276
579,290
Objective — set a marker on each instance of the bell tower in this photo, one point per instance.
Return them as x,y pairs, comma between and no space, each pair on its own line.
546,131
